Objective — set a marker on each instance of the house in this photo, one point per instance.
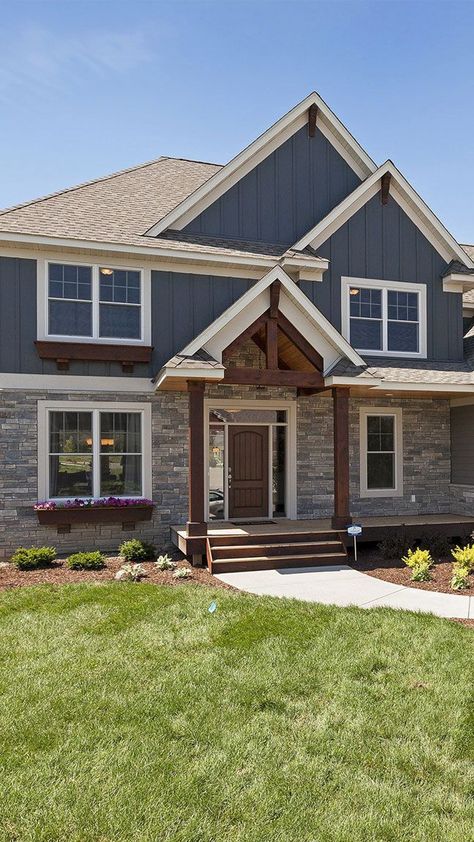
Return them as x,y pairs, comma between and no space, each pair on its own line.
286,337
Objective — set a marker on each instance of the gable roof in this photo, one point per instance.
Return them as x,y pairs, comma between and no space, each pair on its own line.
406,197
257,151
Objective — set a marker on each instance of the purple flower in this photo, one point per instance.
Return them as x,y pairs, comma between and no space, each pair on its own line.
101,502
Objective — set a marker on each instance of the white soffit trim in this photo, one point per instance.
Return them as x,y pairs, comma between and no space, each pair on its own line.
257,151
76,383
294,293
458,282
409,201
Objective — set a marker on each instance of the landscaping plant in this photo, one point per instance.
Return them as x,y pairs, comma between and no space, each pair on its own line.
463,564
419,561
164,562
130,573
394,546
86,561
183,573
135,550
33,557
459,579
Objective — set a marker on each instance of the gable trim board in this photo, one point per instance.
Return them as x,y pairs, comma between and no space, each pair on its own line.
330,126
410,202
243,312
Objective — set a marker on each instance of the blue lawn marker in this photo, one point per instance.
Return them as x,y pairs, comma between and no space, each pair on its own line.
212,608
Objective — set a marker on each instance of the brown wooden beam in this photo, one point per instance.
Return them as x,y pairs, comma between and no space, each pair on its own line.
301,343
196,525
271,343
312,116
341,517
385,187
246,334
273,377
261,344
307,393
274,299
64,352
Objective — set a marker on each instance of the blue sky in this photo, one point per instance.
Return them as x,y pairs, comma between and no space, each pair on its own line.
87,88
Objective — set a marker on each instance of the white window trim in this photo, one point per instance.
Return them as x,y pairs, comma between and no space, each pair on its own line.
396,286
43,298
290,464
45,407
395,412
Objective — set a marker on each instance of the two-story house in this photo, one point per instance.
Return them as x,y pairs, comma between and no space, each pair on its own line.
281,338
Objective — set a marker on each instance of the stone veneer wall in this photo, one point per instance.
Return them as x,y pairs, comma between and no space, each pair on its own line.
462,499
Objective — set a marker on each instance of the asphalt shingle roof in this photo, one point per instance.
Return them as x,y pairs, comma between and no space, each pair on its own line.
413,371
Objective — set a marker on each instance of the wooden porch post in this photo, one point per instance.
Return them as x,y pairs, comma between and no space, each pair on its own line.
341,516
196,526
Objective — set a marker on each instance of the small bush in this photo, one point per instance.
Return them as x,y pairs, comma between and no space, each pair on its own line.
183,573
130,573
419,561
394,546
438,545
136,550
464,557
164,562
459,579
30,559
86,561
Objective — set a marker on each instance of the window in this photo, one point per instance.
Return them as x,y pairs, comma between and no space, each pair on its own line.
94,303
381,456
383,317
94,451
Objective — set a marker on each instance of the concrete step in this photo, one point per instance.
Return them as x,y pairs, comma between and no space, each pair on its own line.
230,565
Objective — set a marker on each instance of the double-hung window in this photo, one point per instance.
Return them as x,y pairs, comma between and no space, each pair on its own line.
381,452
91,451
384,317
97,302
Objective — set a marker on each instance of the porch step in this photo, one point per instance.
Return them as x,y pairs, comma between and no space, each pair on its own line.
272,550
275,549
274,562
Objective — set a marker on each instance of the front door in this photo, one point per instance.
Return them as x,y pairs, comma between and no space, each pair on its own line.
248,471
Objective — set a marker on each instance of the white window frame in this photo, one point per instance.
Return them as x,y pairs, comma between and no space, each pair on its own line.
396,413
45,407
385,286
43,303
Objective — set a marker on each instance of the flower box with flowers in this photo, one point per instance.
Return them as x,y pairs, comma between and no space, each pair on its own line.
102,510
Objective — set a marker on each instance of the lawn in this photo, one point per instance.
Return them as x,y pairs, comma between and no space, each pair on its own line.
129,712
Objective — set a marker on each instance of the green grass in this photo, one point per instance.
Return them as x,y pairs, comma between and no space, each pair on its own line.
128,712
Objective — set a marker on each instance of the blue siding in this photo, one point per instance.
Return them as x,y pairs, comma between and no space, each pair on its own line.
284,196
381,242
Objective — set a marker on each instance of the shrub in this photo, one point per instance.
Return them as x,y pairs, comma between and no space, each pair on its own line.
164,562
86,561
438,545
419,561
136,550
183,573
459,579
394,546
30,559
464,557
130,573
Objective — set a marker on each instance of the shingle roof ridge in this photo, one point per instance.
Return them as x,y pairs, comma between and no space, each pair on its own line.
108,177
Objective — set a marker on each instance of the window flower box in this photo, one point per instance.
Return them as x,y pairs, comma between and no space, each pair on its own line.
109,510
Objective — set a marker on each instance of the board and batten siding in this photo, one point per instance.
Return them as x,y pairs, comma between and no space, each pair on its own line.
182,306
283,196
462,445
381,242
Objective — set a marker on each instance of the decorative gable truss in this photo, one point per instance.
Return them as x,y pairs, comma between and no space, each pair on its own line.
300,345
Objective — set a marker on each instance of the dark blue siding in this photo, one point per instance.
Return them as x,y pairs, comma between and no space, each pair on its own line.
381,242
284,196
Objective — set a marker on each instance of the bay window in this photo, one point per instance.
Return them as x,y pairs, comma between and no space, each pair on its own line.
384,317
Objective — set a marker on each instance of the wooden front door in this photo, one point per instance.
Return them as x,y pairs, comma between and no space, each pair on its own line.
248,471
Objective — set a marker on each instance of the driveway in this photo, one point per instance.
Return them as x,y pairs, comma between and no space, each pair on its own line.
342,585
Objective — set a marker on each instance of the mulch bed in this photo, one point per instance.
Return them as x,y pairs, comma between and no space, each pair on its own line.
58,574
393,570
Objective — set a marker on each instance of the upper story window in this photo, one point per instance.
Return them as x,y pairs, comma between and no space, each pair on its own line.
96,302
384,317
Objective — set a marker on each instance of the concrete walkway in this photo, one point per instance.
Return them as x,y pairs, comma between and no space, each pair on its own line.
342,585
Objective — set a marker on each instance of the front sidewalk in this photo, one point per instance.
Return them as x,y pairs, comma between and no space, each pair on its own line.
343,586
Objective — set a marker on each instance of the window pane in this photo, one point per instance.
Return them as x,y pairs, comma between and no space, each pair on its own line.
120,475
366,334
380,470
366,302
120,432
380,433
70,475
216,472
119,285
70,432
70,281
120,322
69,318
248,416
402,306
402,336
278,470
